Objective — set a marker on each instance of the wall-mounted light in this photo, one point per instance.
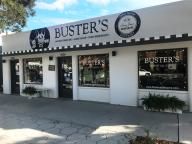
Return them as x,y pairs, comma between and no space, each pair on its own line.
3,61
114,53
50,58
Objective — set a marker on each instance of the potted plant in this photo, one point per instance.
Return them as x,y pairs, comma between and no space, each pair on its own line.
157,102
30,91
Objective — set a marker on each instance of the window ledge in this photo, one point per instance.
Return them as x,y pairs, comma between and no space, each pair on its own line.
104,88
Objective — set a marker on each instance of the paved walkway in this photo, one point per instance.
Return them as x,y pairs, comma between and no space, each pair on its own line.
58,121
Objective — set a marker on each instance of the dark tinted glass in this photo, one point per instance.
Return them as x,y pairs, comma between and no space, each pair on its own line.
94,70
163,69
33,70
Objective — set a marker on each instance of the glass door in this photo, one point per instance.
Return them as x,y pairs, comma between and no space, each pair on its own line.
15,84
65,77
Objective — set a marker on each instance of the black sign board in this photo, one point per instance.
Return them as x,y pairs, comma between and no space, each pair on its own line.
51,67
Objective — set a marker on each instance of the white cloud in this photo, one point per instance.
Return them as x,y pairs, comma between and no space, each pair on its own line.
130,2
104,12
50,21
101,2
146,3
156,2
61,4
127,5
56,21
56,5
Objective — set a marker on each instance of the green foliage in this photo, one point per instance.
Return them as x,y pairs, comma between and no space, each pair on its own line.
14,14
160,102
143,140
149,140
29,90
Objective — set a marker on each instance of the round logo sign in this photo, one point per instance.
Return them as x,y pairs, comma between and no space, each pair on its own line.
39,38
127,24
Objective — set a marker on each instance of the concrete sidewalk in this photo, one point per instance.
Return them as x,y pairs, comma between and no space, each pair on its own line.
105,123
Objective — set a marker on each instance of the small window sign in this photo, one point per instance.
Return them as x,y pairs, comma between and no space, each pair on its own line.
51,67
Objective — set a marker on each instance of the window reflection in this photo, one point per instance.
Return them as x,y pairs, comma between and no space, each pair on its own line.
94,70
33,72
163,69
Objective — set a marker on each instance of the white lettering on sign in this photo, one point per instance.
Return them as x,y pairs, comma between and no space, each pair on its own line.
95,61
155,60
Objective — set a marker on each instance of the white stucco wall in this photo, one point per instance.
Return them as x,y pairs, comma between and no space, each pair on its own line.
87,93
6,77
190,78
123,75
50,78
123,72
156,21
21,74
94,94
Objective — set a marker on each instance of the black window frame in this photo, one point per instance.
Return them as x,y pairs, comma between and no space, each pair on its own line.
24,71
187,82
79,84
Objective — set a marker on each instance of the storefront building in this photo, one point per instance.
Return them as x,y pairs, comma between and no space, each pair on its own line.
116,59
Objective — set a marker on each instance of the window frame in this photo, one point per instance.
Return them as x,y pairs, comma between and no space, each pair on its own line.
138,60
24,71
103,54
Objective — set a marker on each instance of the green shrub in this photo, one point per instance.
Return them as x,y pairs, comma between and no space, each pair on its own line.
143,140
29,90
160,102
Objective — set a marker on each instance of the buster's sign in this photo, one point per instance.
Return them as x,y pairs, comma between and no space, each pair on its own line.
121,26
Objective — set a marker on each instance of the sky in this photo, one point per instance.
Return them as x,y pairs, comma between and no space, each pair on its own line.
54,12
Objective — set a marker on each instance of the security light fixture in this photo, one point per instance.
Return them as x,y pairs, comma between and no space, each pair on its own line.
114,53
50,58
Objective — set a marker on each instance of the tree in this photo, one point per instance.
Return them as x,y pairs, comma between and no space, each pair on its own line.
14,14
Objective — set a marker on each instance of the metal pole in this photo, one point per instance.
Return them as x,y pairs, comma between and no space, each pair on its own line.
178,135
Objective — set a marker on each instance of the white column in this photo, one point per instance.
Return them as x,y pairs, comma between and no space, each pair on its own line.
21,75
75,77
190,77
50,80
7,77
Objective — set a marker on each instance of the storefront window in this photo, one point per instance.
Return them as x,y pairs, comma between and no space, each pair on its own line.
163,69
94,70
33,72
